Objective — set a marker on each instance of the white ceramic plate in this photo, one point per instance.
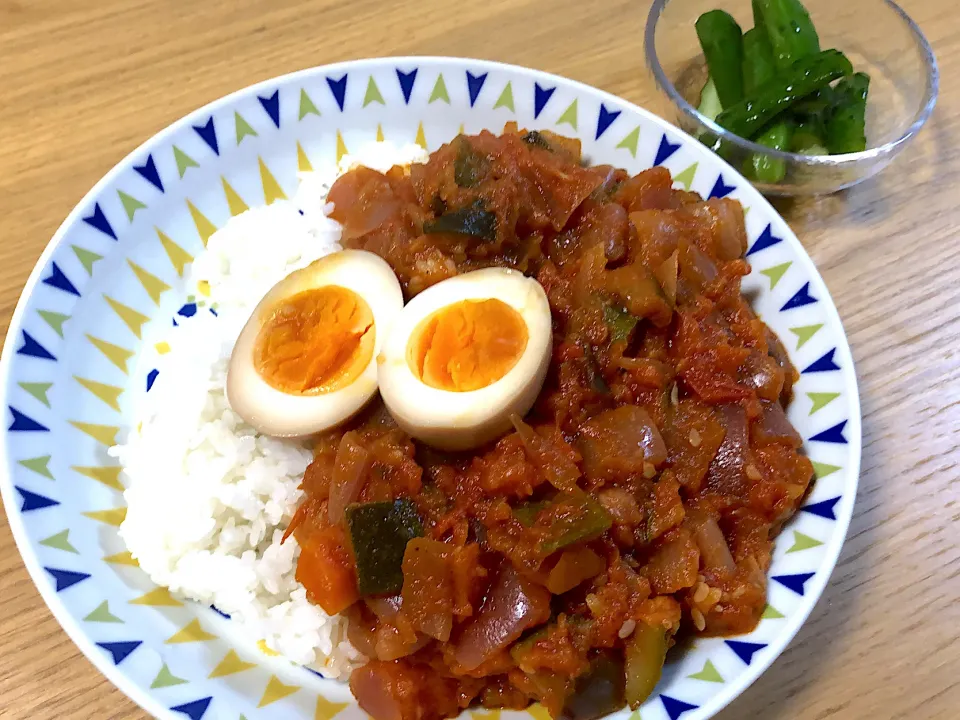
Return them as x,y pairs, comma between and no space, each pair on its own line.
74,364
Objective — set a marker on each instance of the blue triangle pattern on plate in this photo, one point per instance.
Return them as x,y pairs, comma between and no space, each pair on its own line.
541,96
60,281
64,579
208,133
766,239
32,348
34,501
271,105
120,650
406,80
720,189
665,150
194,710
188,310
338,88
832,434
675,708
793,582
152,378
823,509
745,650
148,171
605,119
800,298
99,221
475,85
823,364
23,423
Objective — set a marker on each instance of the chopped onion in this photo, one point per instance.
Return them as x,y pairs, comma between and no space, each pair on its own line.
350,470
512,605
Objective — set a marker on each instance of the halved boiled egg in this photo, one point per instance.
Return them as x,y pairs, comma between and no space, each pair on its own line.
464,355
306,359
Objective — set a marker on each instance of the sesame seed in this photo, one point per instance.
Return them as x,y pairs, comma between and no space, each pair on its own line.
626,630
695,438
698,620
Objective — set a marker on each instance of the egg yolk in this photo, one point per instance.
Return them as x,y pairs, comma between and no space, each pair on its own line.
316,341
468,345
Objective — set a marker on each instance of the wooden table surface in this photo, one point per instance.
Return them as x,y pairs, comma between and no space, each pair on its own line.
85,81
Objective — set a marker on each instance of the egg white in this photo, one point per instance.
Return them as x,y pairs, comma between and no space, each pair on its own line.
279,414
453,420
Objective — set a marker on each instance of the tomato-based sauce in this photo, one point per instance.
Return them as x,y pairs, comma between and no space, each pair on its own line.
637,500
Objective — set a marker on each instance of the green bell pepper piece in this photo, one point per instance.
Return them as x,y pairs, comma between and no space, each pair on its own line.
379,533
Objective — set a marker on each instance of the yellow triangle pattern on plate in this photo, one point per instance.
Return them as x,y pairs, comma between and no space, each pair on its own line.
379,132
341,146
158,597
103,434
538,711
114,517
234,201
271,188
114,353
230,665
178,256
421,138
303,162
373,93
506,98
109,475
109,394
205,228
266,650
154,286
133,319
275,691
326,709
191,632
123,558
685,177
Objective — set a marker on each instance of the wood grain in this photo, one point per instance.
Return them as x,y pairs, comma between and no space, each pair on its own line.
85,81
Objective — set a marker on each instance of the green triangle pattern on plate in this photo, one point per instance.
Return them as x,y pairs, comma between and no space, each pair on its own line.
569,116
821,399
243,127
102,614
505,99
86,257
804,333
130,204
54,320
630,141
439,91
60,541
776,272
771,613
685,177
165,678
373,93
306,106
38,390
184,161
803,542
708,674
38,465
822,470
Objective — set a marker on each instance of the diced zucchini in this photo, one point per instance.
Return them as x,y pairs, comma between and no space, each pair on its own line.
379,533
645,652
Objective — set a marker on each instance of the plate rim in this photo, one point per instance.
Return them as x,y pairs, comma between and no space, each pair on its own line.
147,701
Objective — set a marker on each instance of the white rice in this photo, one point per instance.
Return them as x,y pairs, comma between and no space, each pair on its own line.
208,498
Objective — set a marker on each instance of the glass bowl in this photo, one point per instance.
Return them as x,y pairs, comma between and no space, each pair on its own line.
876,35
